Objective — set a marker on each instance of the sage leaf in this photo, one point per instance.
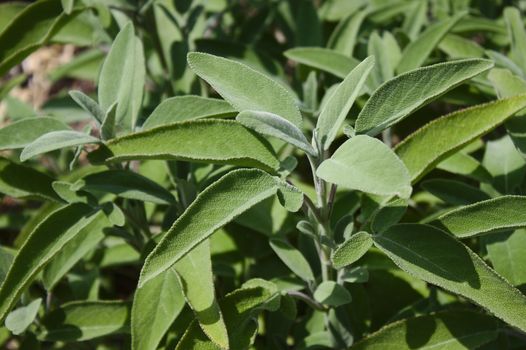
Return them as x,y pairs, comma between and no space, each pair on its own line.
122,81
443,330
181,108
417,51
332,294
273,125
323,59
339,104
245,88
368,165
56,140
442,260
497,214
18,320
293,258
40,247
351,250
454,192
21,133
38,22
217,205
506,253
108,127
126,184
399,97
439,139
195,273
155,307
20,181
74,250
517,35
207,140
88,104
461,163
343,38
85,320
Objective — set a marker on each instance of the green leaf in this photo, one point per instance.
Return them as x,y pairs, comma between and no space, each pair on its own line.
461,163
208,140
273,125
454,192
126,184
245,88
67,5
108,127
85,320
40,247
74,250
343,38
439,139
415,54
122,80
30,28
506,253
452,330
22,132
458,47
332,294
20,181
517,35
351,250
18,320
368,165
442,260
56,140
217,205
339,104
155,307
240,309
323,59
88,104
415,19
293,258
181,108
195,272
399,97
497,214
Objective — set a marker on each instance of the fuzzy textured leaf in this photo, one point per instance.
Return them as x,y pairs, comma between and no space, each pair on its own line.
293,258
352,249
442,260
323,59
22,132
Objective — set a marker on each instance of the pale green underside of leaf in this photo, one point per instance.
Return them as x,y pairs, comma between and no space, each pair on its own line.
273,125
293,258
41,247
366,164
155,306
181,108
245,88
20,181
352,249
22,132
450,330
332,294
88,104
415,54
506,253
339,104
399,97
18,320
78,321
197,279
442,260
217,205
56,140
439,139
209,141
502,213
323,59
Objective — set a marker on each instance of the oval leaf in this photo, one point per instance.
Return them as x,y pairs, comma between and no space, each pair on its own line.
404,94
352,249
366,164
210,141
439,139
22,132
323,59
332,294
442,260
217,205
245,88
498,214
293,258
18,320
